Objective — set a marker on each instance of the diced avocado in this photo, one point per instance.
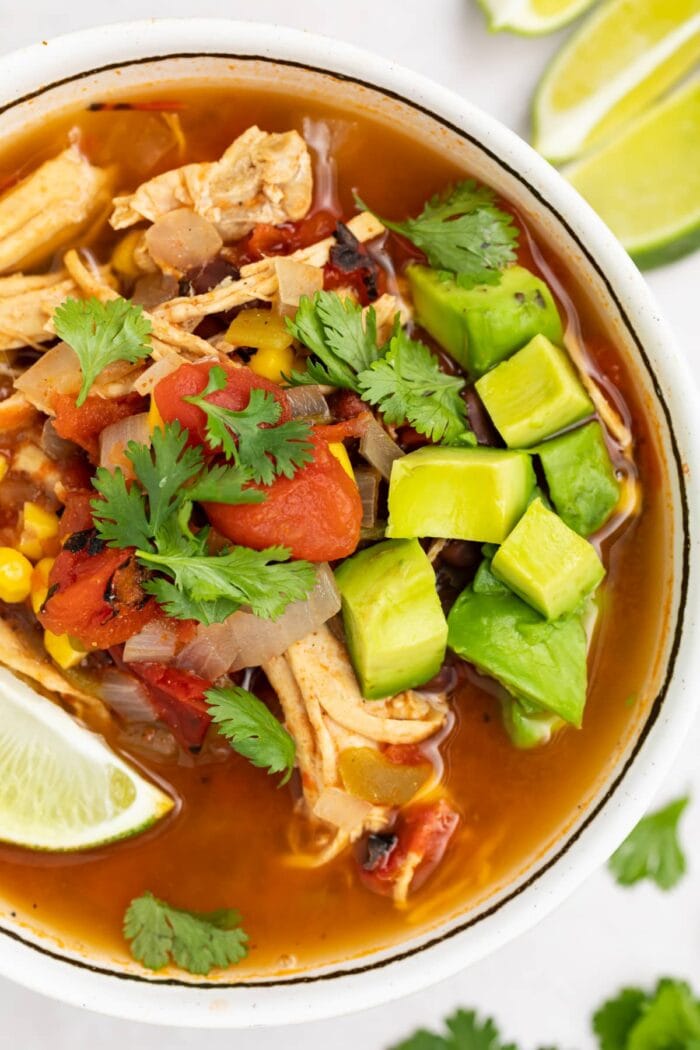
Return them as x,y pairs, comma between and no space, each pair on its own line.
581,478
534,394
481,326
394,623
527,726
548,564
459,493
540,661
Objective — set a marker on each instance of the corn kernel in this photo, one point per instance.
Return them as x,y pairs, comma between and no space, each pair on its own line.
338,449
273,363
66,651
155,419
4,467
40,583
123,259
262,329
15,575
39,531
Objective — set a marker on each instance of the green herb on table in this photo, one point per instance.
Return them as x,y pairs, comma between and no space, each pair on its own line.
196,942
252,730
666,1019
464,1032
101,334
463,232
653,850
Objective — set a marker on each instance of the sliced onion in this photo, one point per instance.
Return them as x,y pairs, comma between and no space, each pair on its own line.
155,643
307,402
157,371
244,640
154,288
115,438
126,696
55,372
367,479
341,809
182,240
379,449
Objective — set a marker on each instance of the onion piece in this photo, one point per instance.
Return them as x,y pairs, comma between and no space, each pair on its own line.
158,370
367,479
152,289
126,696
55,372
379,449
244,640
307,402
115,438
295,279
341,809
182,240
155,643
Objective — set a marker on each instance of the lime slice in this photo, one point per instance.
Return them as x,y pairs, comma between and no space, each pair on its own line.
646,184
61,788
532,17
628,53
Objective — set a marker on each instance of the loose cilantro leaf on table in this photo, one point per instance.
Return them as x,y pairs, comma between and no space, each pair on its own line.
196,942
339,335
653,850
102,333
252,730
463,232
408,386
666,1019
252,437
464,1032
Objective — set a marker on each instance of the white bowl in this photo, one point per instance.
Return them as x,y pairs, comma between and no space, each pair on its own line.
91,64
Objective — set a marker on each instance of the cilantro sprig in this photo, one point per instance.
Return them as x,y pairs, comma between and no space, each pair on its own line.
252,730
340,337
253,438
101,334
196,942
153,516
464,1032
463,232
653,850
638,1020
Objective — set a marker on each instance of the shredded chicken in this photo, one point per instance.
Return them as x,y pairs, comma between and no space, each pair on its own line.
262,177
26,305
49,207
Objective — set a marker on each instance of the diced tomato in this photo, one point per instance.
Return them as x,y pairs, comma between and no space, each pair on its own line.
406,754
77,515
95,594
190,380
317,513
265,239
422,831
347,428
84,424
367,281
178,698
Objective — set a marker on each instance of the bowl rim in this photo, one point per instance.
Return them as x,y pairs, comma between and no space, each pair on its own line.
32,71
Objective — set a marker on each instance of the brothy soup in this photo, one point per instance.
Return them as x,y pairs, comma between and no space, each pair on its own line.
328,506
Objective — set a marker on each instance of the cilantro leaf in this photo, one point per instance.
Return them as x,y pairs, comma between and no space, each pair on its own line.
408,386
102,333
668,1018
196,942
252,437
464,1032
652,851
252,730
616,1018
339,335
163,470
120,515
462,231
224,484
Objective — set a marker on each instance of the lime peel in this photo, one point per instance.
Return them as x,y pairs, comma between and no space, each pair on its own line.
532,17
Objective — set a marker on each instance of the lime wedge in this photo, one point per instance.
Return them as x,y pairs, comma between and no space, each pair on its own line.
646,184
627,54
532,17
61,788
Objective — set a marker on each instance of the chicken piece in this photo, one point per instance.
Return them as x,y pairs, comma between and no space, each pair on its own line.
27,303
262,177
49,207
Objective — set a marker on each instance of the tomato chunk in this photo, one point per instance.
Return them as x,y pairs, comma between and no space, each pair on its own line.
265,239
316,514
190,380
84,424
178,698
422,832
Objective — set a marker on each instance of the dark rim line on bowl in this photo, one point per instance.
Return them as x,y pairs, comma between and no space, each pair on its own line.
349,971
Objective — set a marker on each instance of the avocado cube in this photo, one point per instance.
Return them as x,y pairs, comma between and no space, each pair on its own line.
534,394
394,623
459,493
540,661
548,564
481,326
581,478
527,726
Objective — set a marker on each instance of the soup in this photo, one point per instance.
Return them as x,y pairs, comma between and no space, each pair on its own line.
379,727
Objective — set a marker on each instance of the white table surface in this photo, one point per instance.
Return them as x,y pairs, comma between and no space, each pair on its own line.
543,987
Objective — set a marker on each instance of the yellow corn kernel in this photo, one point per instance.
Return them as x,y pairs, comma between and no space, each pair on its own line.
338,449
155,419
4,467
39,529
15,575
66,651
123,259
40,583
262,329
273,363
